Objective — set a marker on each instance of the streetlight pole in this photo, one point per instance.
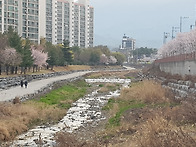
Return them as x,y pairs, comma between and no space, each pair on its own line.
181,18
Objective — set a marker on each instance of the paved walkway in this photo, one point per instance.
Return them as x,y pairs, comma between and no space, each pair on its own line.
9,94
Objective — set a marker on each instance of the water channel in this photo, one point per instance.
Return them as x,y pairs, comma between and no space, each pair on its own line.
83,111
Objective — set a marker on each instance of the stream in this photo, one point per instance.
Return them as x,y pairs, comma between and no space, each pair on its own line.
84,111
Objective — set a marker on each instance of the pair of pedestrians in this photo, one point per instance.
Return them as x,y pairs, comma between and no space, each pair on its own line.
25,83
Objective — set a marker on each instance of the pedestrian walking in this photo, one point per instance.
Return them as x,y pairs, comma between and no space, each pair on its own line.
21,83
189,68
26,83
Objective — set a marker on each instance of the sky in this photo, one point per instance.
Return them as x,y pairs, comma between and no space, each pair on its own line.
143,20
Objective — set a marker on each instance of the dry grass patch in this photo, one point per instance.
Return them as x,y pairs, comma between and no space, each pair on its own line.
18,118
161,132
146,91
64,139
71,67
182,114
108,74
108,87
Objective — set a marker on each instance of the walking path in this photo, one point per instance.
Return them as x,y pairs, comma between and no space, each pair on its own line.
34,86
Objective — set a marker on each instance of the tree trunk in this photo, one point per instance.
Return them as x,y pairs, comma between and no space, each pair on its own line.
33,68
21,70
0,69
25,68
12,69
7,69
16,69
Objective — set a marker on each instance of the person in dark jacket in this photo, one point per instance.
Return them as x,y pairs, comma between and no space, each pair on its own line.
21,83
26,83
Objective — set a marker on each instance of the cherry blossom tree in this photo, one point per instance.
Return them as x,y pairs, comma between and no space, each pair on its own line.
10,58
103,59
183,43
112,60
3,44
39,57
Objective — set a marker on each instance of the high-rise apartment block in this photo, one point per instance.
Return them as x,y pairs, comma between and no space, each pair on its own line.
54,20
22,15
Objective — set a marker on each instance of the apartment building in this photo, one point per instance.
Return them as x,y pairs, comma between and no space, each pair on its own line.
91,27
64,21
54,20
67,20
73,22
23,16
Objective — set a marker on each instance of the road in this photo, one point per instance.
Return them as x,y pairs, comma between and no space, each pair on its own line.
10,94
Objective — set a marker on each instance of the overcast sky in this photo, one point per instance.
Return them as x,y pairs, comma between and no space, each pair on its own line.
143,20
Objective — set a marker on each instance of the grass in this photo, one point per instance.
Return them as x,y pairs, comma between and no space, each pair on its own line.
66,95
109,104
121,107
115,121
137,96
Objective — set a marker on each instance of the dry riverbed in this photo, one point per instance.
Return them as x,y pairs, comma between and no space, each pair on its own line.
84,113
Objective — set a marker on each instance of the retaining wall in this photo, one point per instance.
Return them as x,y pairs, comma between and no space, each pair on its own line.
182,89
15,81
181,67
183,64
